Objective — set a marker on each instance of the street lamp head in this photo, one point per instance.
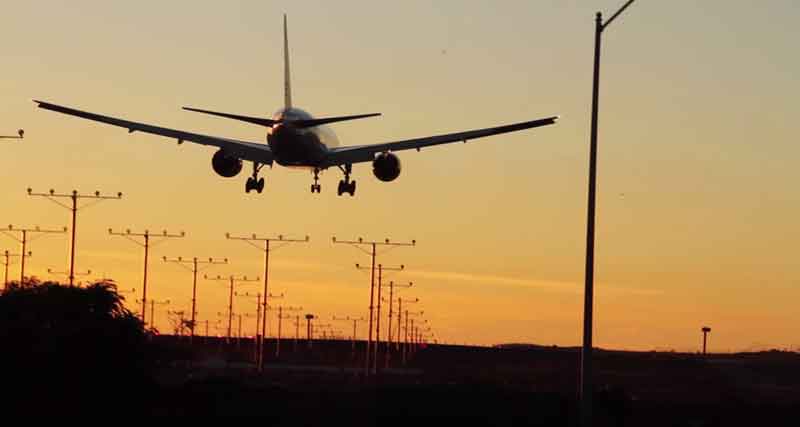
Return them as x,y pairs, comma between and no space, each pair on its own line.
52,191
119,194
97,194
413,242
30,190
21,133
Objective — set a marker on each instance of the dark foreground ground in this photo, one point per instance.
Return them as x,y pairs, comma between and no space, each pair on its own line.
523,385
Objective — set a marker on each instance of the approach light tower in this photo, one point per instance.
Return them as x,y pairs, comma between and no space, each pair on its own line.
358,244
266,249
74,208
193,265
377,344
6,262
232,280
23,239
706,330
588,296
146,244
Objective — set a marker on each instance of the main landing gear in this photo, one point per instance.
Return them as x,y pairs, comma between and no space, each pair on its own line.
254,182
315,187
345,185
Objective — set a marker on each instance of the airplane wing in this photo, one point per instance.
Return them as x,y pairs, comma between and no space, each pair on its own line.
244,150
366,153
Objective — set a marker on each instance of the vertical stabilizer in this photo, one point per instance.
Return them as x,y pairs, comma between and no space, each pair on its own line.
287,89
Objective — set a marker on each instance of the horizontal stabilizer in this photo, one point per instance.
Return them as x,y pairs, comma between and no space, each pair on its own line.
316,122
301,123
255,120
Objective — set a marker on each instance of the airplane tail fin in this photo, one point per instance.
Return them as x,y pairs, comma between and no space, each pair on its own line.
287,85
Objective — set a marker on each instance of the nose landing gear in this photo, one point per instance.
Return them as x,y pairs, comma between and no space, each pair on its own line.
315,187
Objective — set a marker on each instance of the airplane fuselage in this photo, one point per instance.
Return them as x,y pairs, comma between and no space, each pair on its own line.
295,146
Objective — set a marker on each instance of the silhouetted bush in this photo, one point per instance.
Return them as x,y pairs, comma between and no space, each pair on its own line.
71,349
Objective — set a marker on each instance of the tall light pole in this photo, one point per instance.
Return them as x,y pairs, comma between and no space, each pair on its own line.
73,208
193,265
266,249
232,280
358,244
588,301
146,244
24,240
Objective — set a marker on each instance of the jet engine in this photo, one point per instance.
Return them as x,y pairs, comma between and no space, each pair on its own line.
386,167
225,165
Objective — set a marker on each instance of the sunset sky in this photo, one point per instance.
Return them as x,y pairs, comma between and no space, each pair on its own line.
697,204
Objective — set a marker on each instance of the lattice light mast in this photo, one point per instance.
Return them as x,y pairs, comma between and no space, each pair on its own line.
74,197
193,265
146,244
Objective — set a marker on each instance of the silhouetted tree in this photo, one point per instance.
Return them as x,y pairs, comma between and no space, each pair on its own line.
71,349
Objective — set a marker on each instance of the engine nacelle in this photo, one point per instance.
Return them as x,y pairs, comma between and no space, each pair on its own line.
225,165
386,167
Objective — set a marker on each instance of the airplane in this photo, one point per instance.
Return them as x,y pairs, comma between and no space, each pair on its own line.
296,139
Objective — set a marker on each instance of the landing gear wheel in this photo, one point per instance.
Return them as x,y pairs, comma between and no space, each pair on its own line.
254,182
345,185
